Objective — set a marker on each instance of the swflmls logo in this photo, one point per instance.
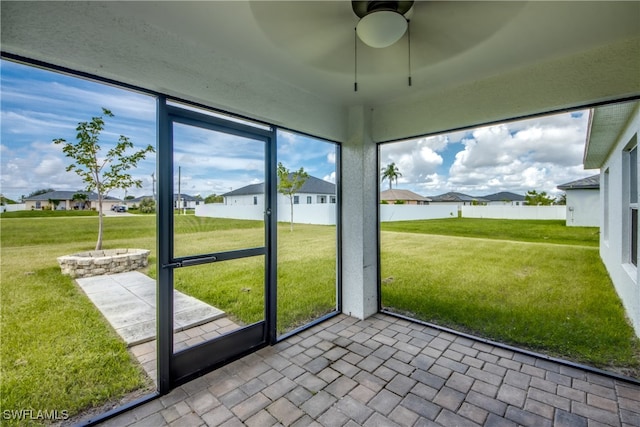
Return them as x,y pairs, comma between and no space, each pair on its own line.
32,414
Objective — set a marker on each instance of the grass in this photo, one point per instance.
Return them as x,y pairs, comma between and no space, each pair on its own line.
47,214
552,298
306,271
549,294
501,229
57,350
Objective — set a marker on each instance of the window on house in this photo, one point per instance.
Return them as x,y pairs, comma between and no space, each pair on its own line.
309,200
255,200
333,199
296,200
322,199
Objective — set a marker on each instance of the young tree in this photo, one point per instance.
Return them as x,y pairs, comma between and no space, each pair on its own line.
81,198
533,198
290,182
147,205
213,198
102,173
391,172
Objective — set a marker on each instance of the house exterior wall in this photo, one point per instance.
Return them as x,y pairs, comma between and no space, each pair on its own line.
583,208
68,204
614,224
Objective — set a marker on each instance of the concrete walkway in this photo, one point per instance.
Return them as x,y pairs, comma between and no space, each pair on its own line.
385,371
128,302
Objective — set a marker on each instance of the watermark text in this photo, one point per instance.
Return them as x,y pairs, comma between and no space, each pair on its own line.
35,414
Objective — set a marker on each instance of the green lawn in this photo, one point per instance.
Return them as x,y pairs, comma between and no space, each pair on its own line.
59,353
549,297
501,229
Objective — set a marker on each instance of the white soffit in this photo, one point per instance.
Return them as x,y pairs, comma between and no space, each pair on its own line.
606,124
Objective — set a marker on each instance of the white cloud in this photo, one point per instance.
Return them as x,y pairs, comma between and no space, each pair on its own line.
538,153
331,177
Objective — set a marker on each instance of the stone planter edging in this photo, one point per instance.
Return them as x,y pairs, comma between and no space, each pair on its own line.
109,261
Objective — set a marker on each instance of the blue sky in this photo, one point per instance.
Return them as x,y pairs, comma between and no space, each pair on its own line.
38,106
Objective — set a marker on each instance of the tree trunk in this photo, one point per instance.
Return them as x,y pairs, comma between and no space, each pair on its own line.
99,242
291,203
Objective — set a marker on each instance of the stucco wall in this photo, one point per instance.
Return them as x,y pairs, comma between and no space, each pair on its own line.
583,208
614,228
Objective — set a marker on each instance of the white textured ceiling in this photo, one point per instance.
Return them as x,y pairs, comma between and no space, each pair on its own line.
292,62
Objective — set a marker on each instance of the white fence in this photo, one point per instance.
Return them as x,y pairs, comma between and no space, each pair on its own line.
515,212
390,213
13,208
325,214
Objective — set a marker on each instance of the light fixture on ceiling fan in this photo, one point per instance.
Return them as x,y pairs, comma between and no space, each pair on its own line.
382,23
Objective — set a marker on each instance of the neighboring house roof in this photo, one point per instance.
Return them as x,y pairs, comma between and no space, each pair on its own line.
452,196
68,195
312,185
138,199
504,196
402,195
246,190
186,197
590,182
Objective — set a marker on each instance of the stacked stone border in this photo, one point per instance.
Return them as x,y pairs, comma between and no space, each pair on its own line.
97,263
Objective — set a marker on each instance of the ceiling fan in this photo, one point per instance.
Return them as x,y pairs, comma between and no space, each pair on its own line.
382,22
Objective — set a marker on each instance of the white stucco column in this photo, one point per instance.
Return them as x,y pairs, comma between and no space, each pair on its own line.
359,225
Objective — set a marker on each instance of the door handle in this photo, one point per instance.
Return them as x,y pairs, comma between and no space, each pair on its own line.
190,262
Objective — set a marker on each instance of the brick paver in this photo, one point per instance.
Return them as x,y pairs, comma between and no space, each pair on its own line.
385,371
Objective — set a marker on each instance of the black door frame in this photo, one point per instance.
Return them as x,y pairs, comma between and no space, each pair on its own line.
177,368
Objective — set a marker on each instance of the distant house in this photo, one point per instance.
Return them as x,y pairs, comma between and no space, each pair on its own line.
313,191
403,197
64,200
504,198
612,146
583,201
458,199
187,201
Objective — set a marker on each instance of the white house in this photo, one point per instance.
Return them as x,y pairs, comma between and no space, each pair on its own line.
408,197
612,146
583,201
504,198
69,200
457,199
313,191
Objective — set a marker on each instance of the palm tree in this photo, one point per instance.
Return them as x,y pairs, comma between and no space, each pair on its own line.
391,172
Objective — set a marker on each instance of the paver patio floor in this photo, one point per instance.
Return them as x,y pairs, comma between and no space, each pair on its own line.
386,371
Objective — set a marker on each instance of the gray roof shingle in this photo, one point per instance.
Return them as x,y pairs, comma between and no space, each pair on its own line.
504,196
402,195
590,182
312,185
452,196
68,195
